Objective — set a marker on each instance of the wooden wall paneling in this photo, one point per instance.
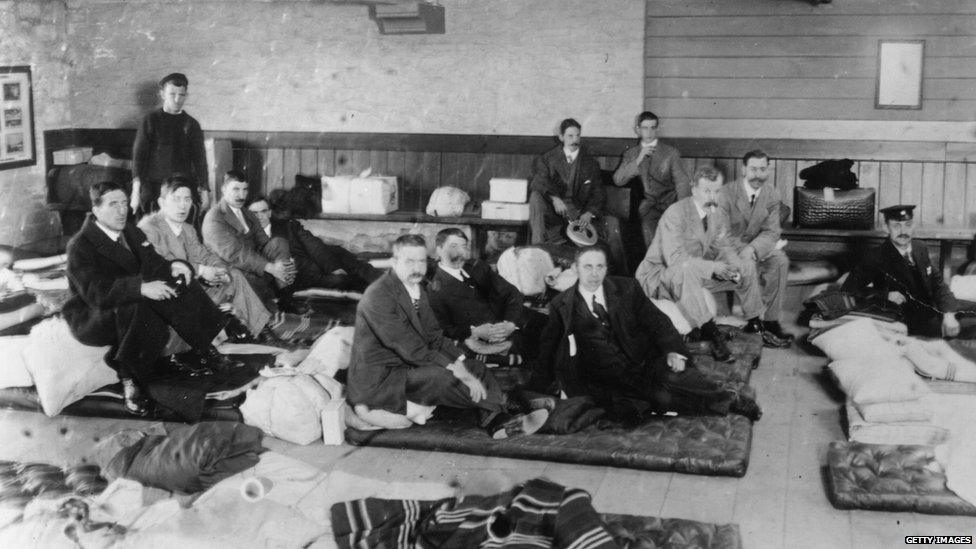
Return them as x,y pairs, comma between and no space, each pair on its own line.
344,162
690,164
933,180
911,185
359,160
810,109
309,162
971,195
785,179
483,170
889,186
727,167
378,161
423,172
779,7
450,171
954,199
253,168
326,162
396,165
291,166
273,170
470,170
824,25
869,177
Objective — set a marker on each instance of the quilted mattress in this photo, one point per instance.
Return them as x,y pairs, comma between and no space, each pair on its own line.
635,531
884,477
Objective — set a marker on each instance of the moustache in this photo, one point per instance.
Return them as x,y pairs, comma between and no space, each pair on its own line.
711,204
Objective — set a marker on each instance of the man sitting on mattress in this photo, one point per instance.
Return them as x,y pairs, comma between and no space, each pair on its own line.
126,296
400,355
174,238
605,339
900,274
475,305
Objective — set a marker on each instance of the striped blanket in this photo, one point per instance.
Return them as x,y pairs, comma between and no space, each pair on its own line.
539,513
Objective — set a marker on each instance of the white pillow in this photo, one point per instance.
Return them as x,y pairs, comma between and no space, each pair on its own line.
868,381
895,412
671,309
13,369
858,339
526,268
287,407
330,353
64,370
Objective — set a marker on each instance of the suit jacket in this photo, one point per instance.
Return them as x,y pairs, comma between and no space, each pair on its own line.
102,276
459,306
185,246
681,239
391,337
580,181
754,225
886,270
663,175
642,331
239,246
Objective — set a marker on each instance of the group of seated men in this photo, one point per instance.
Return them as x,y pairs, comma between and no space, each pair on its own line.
131,284
701,235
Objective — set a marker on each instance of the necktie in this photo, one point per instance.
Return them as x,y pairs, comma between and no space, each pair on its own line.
121,242
705,223
466,279
416,304
908,258
752,201
601,312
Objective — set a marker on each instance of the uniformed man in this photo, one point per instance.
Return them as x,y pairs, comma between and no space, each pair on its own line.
900,274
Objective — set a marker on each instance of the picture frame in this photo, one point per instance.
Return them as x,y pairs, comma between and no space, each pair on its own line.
899,83
17,144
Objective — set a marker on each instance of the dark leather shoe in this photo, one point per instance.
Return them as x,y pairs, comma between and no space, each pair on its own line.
720,348
507,426
771,341
292,306
754,326
744,403
133,399
776,329
211,358
236,331
188,366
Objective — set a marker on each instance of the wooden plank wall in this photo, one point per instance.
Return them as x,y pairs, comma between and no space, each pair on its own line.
794,60
939,177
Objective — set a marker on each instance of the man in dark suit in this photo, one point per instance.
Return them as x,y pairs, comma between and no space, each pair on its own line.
235,235
316,262
752,206
900,275
567,185
606,339
661,172
475,305
125,295
400,355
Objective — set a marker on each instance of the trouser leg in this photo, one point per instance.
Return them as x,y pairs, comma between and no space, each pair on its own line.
687,284
608,228
545,225
244,300
433,385
773,273
688,392
650,217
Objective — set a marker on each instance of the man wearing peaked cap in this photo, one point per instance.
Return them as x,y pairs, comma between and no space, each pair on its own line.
901,275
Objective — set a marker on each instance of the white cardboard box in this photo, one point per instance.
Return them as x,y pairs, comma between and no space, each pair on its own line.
72,155
504,210
503,189
375,194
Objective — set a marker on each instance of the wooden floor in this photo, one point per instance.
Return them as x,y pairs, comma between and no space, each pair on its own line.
780,503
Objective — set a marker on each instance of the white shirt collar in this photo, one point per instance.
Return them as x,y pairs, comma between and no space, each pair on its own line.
702,212
588,297
456,273
113,235
571,154
176,227
750,192
240,217
267,230
652,145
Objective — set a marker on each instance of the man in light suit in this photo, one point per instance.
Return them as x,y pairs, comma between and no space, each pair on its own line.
693,253
661,172
235,235
567,185
753,208
400,355
174,238
125,295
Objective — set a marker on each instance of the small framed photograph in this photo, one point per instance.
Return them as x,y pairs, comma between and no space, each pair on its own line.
900,74
16,118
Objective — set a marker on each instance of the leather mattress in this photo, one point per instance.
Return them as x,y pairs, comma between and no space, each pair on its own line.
887,477
635,531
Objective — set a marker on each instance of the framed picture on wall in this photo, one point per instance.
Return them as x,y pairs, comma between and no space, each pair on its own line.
900,74
16,118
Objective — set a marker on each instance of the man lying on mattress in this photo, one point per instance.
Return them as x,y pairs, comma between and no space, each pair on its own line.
126,296
900,274
605,339
402,365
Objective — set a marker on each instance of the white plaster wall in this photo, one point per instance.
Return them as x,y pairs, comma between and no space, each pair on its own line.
504,66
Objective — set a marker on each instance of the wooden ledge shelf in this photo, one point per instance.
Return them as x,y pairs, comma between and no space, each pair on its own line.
921,233
419,217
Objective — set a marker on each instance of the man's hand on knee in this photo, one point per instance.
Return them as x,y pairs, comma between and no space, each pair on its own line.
157,290
474,385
